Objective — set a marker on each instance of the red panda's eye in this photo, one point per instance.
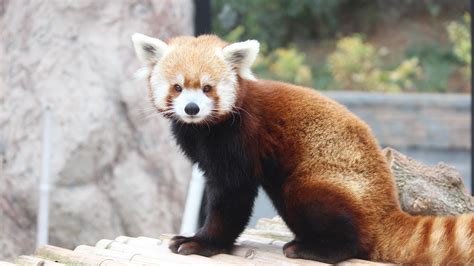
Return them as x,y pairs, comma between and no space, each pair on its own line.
178,88
207,88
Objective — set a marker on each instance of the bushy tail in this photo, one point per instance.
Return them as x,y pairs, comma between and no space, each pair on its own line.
426,239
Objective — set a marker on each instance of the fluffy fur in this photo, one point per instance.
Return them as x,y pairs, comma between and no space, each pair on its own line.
320,165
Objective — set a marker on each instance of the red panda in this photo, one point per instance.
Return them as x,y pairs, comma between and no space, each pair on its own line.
320,165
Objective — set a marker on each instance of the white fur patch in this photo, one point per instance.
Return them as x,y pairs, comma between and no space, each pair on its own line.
242,54
180,80
227,92
198,97
149,50
205,80
142,73
160,87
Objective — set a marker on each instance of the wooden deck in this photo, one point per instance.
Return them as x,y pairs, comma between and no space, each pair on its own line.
260,246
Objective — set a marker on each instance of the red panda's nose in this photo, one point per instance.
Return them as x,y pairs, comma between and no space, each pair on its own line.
191,109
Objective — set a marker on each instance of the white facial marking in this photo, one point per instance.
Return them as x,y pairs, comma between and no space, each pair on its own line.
198,97
160,88
226,90
205,80
227,87
180,80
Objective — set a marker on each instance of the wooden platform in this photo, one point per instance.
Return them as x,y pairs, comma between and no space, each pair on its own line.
260,246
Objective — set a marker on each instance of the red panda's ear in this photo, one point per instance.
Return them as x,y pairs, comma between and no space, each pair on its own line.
149,50
241,55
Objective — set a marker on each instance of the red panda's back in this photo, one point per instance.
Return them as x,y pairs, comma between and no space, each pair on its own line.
312,133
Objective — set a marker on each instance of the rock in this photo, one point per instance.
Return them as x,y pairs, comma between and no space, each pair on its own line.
115,168
426,190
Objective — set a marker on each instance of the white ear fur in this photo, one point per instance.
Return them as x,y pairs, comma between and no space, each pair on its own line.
149,50
242,55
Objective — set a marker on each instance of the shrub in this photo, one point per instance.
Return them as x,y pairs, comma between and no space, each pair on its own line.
277,22
438,64
460,35
284,64
356,65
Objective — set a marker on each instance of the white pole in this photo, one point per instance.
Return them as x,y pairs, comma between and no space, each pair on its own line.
189,224
43,207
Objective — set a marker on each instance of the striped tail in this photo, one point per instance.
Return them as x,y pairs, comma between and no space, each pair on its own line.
427,239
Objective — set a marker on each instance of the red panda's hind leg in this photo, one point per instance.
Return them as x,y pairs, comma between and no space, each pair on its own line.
324,224
333,244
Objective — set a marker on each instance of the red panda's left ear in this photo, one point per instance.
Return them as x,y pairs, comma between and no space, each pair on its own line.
241,55
149,50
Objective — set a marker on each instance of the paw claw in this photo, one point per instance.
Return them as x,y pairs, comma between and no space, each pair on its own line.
176,242
290,249
191,245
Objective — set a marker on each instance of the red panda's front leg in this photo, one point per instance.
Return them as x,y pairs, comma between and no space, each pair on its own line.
228,212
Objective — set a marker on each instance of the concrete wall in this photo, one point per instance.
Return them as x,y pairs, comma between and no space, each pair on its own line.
428,127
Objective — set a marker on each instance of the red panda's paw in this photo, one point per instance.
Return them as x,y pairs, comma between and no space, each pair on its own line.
297,250
290,249
193,245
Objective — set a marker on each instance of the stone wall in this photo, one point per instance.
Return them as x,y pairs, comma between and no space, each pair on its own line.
114,167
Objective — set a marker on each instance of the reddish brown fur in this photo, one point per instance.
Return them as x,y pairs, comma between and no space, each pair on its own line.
191,63
335,160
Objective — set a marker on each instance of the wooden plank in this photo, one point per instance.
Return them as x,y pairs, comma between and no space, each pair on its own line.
127,257
67,256
271,234
30,260
138,242
275,223
159,246
158,252
276,250
149,239
259,252
265,256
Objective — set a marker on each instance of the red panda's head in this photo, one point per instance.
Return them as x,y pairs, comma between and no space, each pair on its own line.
195,79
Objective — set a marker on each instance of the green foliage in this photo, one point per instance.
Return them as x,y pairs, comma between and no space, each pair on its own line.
276,22
438,64
322,76
284,64
356,65
424,66
460,35
281,22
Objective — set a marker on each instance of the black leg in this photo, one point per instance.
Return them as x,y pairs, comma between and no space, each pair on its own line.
228,212
330,254
327,239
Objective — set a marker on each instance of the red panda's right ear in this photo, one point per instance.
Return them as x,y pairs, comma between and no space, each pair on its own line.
241,55
149,50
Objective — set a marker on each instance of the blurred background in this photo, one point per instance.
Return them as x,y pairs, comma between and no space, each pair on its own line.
80,145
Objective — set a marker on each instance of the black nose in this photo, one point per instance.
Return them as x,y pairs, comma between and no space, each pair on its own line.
191,109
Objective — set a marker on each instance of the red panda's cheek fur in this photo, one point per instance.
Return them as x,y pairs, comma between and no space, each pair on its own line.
215,98
172,94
